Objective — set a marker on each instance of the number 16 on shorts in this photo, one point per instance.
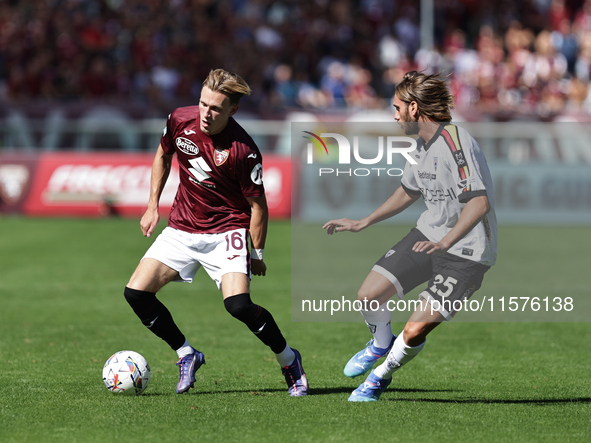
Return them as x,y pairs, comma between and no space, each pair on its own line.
235,240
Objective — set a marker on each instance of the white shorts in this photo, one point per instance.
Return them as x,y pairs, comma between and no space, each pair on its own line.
219,254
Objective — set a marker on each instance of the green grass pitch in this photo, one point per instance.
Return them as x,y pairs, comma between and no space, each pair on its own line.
62,314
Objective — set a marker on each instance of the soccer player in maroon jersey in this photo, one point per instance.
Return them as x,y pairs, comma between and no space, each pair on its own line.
219,208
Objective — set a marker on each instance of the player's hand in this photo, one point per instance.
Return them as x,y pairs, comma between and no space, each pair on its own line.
258,267
429,247
343,224
149,222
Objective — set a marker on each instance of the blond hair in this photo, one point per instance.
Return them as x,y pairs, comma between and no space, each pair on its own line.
430,92
231,85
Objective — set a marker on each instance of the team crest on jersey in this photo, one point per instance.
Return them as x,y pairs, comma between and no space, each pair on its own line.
221,155
435,161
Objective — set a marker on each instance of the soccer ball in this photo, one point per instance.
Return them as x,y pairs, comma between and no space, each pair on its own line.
127,373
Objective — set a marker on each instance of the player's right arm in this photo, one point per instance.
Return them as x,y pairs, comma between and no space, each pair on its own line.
160,171
398,202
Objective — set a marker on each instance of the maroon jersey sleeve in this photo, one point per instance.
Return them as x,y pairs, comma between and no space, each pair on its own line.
165,140
249,166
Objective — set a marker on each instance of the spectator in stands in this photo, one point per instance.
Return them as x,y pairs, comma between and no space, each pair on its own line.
502,55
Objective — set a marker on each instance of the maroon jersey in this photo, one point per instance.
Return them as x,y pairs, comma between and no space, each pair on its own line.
217,173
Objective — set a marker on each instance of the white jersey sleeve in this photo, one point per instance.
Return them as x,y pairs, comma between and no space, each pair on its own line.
409,182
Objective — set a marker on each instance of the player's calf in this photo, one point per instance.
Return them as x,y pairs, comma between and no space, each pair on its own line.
260,321
155,316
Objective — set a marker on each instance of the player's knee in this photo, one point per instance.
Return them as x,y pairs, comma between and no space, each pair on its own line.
136,298
136,283
240,306
131,295
142,302
365,293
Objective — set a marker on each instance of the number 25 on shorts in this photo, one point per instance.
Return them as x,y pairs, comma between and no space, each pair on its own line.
448,284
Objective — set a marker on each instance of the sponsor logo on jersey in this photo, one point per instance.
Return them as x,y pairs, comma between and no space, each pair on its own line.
438,195
220,156
252,156
189,132
424,175
467,251
187,146
256,175
205,185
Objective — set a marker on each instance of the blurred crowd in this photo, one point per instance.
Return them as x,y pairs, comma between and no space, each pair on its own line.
504,56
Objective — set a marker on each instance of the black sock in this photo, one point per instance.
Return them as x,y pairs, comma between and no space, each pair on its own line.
155,316
258,319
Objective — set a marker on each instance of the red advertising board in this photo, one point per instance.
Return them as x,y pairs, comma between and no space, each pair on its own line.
98,184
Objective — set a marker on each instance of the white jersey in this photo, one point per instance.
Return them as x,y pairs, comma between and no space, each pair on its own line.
451,170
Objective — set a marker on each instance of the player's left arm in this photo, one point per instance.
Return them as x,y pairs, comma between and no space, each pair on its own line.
471,215
258,232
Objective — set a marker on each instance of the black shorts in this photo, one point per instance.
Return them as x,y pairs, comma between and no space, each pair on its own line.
450,277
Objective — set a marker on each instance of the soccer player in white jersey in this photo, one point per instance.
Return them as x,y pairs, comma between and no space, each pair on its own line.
452,246
219,208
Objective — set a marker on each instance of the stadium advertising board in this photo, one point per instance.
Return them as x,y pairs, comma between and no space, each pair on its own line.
99,184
